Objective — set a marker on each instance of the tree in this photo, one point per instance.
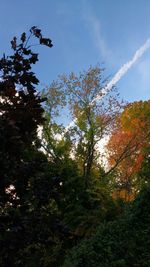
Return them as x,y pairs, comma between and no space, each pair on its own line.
73,151
56,147
92,119
29,218
129,144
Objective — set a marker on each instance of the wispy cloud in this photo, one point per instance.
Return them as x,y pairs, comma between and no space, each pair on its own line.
94,27
97,36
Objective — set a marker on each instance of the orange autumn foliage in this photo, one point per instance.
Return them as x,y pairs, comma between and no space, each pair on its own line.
130,141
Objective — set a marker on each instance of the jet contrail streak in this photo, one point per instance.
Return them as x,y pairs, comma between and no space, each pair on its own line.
121,72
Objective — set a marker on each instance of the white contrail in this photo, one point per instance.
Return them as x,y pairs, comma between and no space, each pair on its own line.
121,72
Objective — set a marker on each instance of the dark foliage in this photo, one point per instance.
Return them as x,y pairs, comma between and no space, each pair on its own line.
29,222
122,243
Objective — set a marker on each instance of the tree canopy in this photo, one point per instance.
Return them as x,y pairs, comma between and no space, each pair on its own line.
128,146
59,205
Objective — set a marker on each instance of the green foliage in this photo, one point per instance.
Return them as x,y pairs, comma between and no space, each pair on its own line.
143,175
93,119
81,208
86,208
121,243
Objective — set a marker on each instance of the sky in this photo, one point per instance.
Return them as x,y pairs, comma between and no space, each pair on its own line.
85,33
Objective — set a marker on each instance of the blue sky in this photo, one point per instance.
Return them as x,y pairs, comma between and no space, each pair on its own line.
84,33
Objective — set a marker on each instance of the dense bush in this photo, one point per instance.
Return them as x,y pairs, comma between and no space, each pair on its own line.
122,243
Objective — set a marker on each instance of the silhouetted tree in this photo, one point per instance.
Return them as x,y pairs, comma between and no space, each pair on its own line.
28,210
